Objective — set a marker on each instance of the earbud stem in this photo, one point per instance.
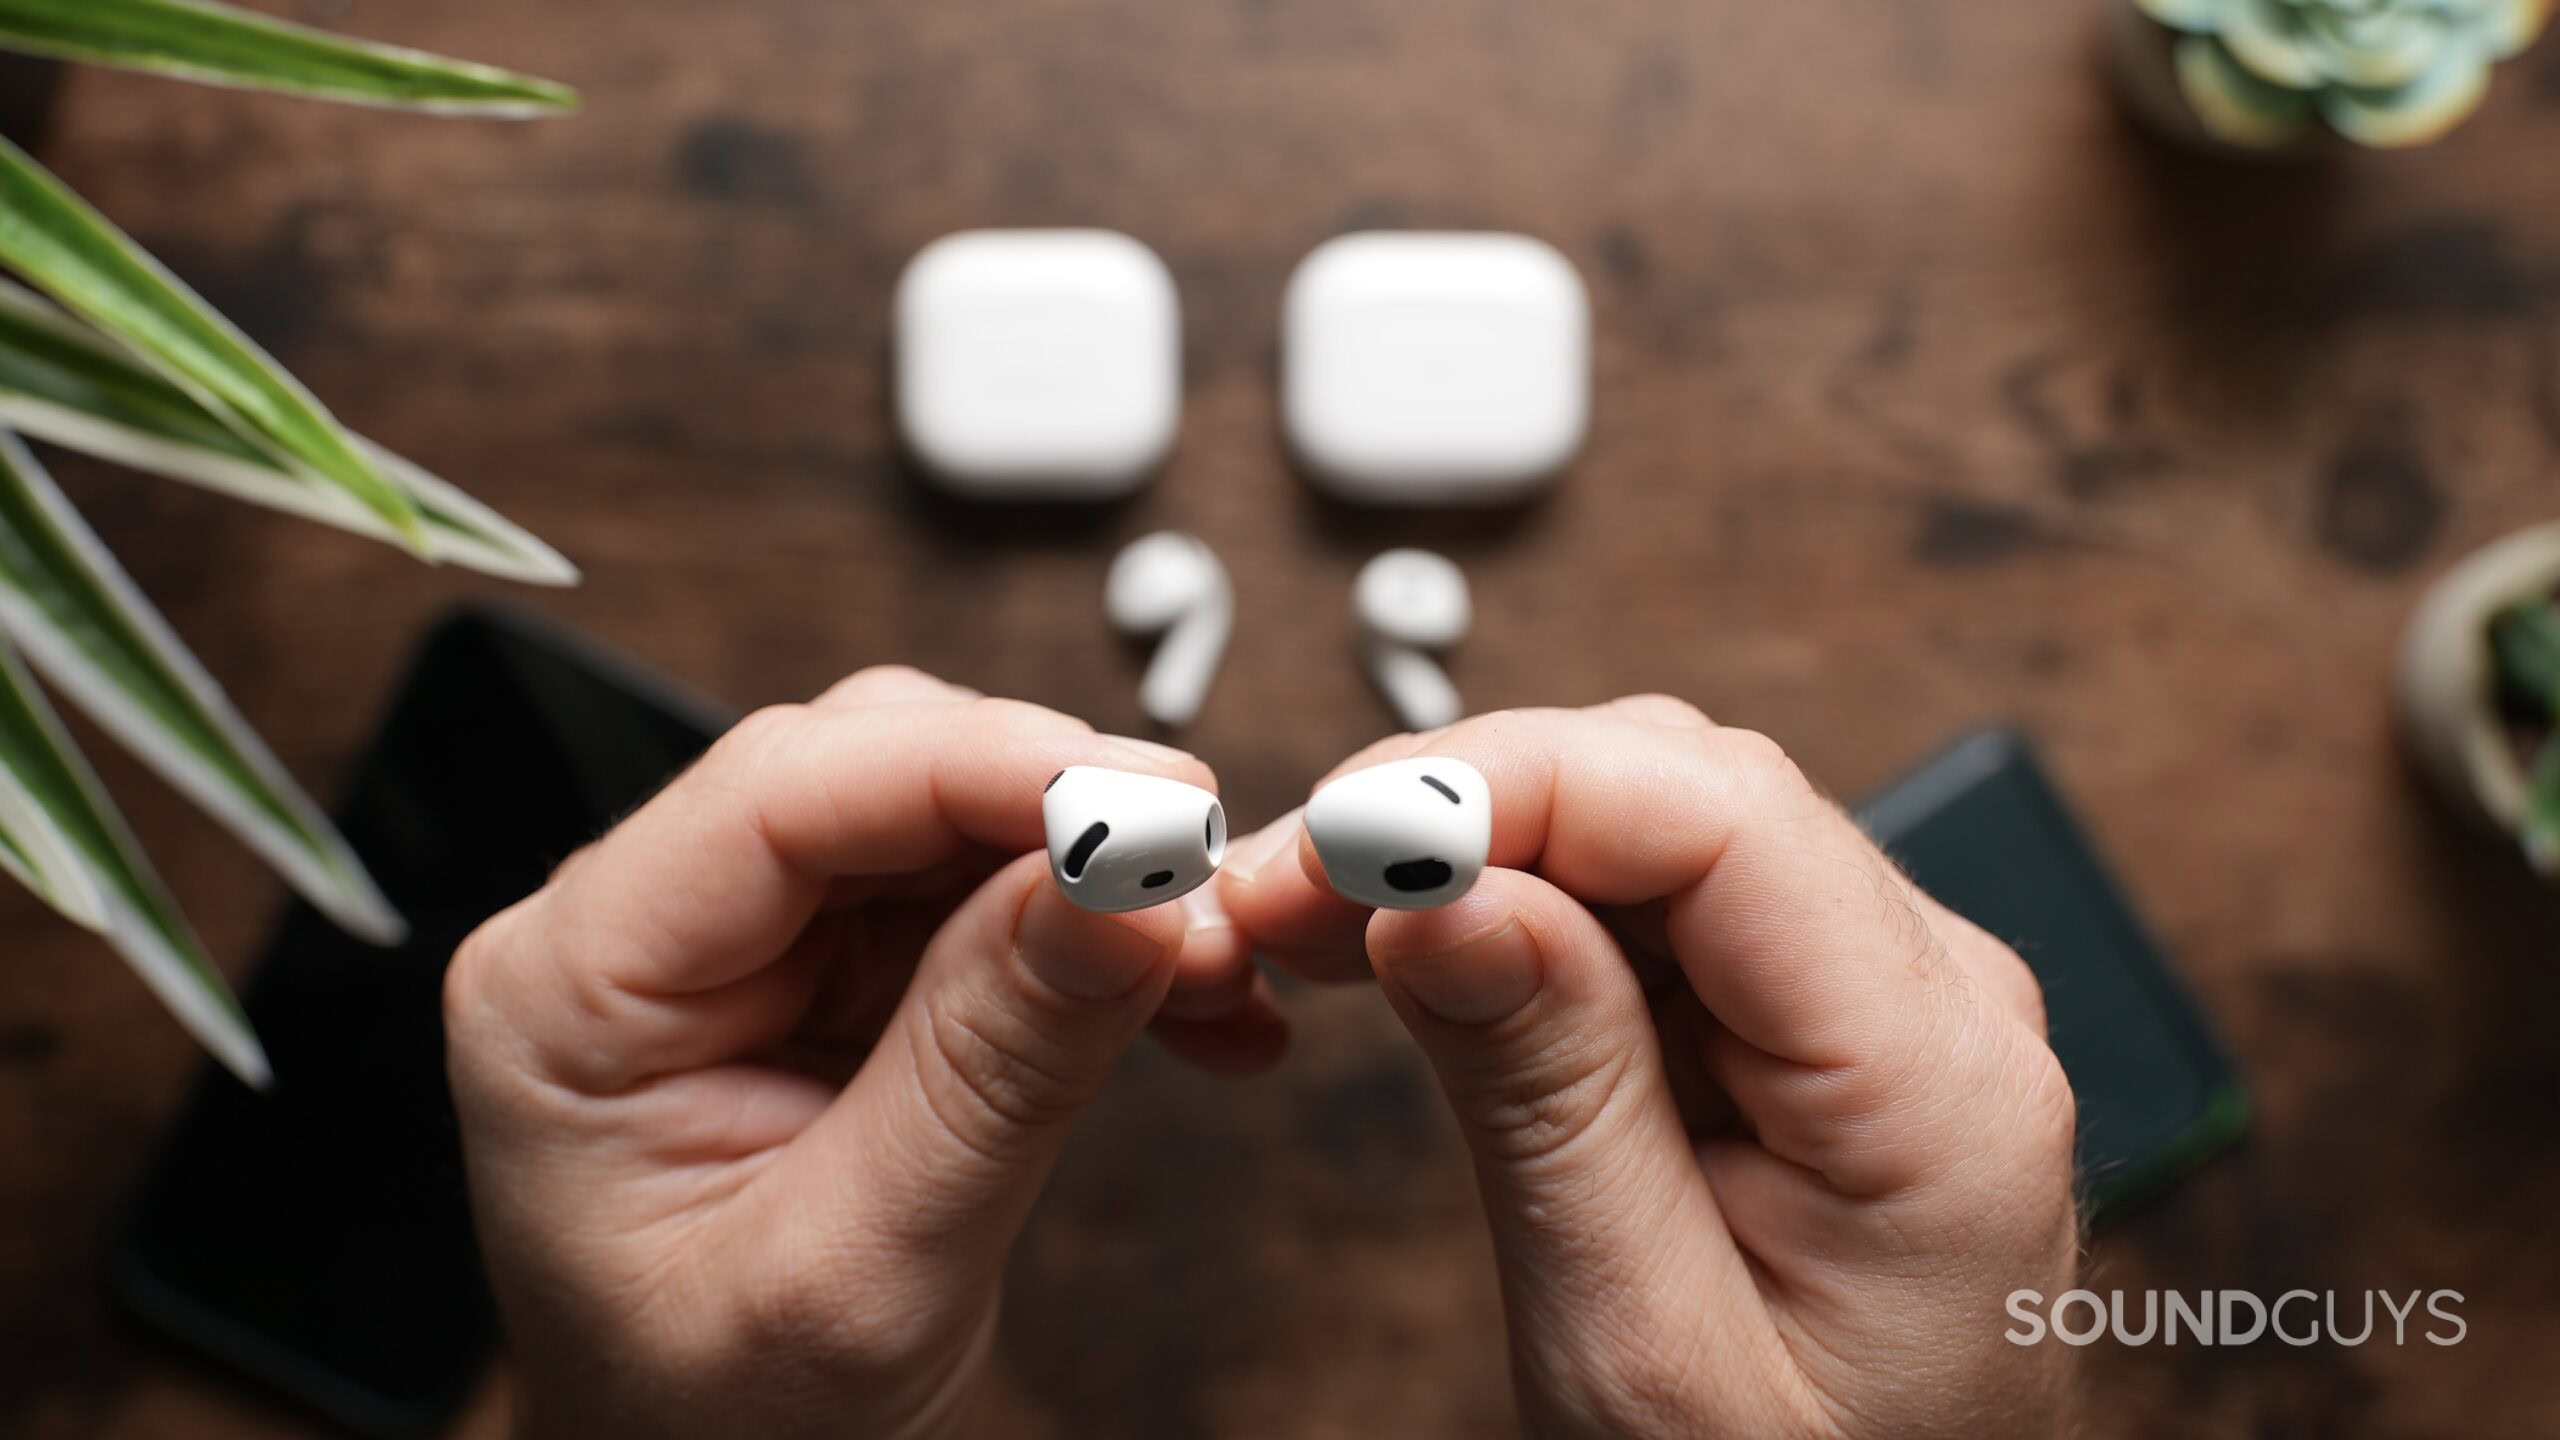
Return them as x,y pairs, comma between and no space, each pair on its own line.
1415,686
1177,680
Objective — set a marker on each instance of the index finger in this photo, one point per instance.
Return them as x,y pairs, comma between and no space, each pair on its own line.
1797,933
713,880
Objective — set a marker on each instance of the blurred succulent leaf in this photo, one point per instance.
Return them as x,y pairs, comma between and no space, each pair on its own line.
2384,73
2513,25
126,897
222,45
2196,17
2542,814
72,253
2381,49
72,610
2274,42
2525,641
33,848
2234,104
2418,113
63,382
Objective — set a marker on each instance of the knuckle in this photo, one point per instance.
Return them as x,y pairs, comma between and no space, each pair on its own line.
755,740
2026,991
1541,1112
2045,1096
890,684
1654,705
2016,989
1642,1388
466,976
575,861
904,1337
987,1079
1763,765
806,1303
892,676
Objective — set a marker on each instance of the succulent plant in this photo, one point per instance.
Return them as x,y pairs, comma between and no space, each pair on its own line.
2525,641
2384,73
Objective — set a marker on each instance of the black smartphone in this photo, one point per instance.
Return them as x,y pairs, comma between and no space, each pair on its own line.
1982,829
319,1237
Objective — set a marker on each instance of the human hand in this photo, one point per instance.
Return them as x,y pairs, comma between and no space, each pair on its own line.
1766,1136
758,1090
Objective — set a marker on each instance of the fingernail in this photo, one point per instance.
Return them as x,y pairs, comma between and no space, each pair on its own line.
1477,983
1079,953
1246,859
1165,754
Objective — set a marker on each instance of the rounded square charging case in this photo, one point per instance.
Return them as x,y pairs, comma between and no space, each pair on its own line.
1425,368
1038,364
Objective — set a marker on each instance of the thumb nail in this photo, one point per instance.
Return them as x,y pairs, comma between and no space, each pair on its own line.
1478,982
1081,954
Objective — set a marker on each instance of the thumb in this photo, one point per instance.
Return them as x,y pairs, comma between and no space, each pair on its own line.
1021,1008
1537,1026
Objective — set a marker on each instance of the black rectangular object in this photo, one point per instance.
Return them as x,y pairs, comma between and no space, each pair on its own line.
1982,829
319,1237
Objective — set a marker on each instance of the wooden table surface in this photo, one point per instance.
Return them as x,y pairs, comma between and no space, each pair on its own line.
1929,392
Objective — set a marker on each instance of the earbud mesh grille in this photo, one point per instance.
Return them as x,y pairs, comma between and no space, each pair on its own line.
1081,853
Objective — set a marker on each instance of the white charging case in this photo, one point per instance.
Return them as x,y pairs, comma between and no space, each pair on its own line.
1038,364
1436,368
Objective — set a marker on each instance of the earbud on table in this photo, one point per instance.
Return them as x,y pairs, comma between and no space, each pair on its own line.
1171,582
1409,835
1119,841
1408,602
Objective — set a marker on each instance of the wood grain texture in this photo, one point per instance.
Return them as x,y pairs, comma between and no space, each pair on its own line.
1929,393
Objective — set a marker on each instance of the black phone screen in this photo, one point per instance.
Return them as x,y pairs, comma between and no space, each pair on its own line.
1980,828
319,1236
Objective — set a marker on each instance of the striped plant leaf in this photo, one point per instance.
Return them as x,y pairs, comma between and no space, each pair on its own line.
71,608
33,848
63,382
68,250
221,45
2542,816
2524,639
124,893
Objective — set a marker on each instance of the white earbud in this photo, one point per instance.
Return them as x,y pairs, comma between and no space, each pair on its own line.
1409,602
1171,582
1119,841
1411,835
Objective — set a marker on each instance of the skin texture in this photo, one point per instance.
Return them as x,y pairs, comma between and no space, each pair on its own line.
758,1090
1766,1136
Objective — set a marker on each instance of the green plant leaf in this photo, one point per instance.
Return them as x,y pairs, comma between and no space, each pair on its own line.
221,45
2196,17
2542,814
71,252
2420,112
2273,41
72,610
2525,640
33,848
131,905
2233,104
63,382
